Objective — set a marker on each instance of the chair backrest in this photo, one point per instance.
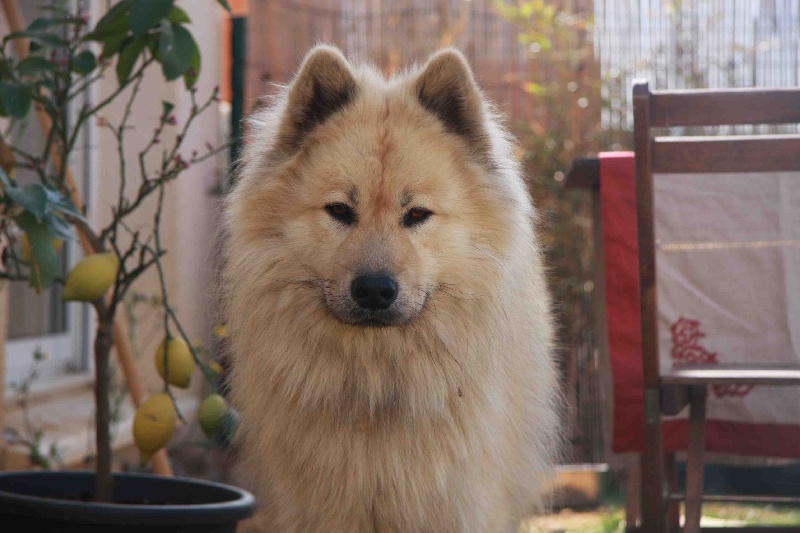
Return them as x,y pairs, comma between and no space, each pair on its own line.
699,154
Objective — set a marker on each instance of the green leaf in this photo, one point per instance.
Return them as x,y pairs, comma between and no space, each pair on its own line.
5,68
152,45
178,16
146,14
42,23
34,66
44,258
166,41
16,98
48,84
225,5
128,56
112,45
113,23
167,108
4,179
193,72
84,62
43,40
58,227
59,18
58,202
177,59
32,197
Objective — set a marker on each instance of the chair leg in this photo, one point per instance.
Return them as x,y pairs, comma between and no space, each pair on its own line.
654,518
694,458
673,506
633,502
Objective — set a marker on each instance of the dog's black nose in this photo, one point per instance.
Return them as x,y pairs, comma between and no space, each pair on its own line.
374,292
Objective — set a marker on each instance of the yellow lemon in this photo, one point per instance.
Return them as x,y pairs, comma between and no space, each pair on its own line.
211,413
221,331
91,277
215,367
153,424
180,364
26,247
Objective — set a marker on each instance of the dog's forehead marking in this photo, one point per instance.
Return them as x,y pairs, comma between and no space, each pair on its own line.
384,143
380,197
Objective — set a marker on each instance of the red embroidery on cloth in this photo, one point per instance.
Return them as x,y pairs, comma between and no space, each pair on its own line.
687,350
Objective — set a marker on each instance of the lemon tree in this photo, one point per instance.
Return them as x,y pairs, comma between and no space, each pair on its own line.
58,59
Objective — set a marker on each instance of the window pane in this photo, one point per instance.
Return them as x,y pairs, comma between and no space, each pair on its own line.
36,314
32,314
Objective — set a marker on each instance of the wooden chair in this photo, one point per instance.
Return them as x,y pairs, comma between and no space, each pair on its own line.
668,393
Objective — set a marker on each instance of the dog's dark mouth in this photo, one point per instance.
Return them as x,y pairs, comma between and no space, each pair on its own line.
394,316
374,319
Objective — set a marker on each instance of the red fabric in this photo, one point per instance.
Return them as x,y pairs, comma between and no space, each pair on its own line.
618,210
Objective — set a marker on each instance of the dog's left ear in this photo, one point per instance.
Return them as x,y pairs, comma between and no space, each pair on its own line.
447,88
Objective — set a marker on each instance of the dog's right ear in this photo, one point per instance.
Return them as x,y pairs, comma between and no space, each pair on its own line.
324,85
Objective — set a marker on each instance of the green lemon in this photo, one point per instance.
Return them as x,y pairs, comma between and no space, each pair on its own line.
211,413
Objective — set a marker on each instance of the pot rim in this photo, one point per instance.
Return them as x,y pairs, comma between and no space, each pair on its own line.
239,506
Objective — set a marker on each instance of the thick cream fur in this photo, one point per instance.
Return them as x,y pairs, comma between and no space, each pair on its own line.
449,423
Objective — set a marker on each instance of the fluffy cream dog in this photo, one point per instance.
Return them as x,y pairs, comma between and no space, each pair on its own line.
389,318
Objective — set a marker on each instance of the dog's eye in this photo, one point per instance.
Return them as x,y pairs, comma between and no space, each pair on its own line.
416,216
341,212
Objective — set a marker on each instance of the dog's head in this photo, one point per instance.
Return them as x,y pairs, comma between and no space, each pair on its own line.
368,197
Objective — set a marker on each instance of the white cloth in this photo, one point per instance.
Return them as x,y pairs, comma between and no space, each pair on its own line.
728,278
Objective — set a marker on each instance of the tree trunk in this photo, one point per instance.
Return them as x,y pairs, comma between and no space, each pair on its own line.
102,350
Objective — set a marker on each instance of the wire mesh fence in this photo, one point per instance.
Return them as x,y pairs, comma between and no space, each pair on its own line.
683,44
390,34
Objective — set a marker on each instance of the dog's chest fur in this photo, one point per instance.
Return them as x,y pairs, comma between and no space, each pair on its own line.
373,464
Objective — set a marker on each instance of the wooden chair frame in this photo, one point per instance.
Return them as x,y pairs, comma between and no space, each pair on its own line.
670,393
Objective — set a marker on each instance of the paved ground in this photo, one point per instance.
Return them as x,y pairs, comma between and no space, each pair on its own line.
610,519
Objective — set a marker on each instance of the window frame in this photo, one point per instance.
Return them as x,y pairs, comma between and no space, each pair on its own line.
68,353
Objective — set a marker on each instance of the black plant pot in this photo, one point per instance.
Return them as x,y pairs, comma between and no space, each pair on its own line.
61,501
